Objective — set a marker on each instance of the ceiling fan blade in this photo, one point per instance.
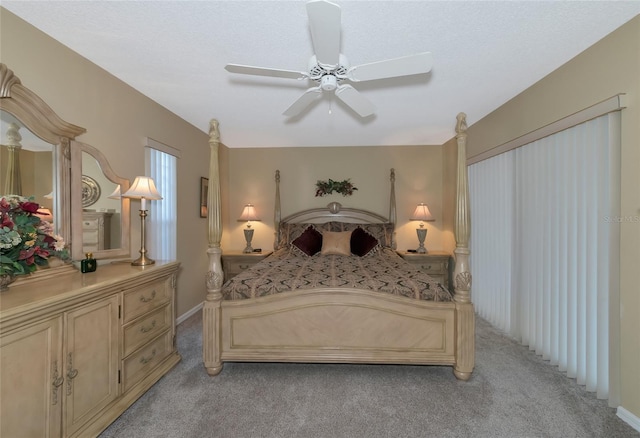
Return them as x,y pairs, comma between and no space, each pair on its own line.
391,68
261,71
324,20
309,96
355,100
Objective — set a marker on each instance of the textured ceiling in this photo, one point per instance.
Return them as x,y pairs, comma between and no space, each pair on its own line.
174,52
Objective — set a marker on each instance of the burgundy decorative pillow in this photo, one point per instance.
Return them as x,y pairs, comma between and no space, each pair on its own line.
309,242
362,242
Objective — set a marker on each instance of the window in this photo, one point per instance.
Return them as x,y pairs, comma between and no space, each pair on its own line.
162,220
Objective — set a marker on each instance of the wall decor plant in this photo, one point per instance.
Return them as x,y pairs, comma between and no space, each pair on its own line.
345,188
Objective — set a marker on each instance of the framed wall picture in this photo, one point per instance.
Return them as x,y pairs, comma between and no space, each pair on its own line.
204,194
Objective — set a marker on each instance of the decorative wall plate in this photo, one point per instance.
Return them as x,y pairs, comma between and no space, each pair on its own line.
90,191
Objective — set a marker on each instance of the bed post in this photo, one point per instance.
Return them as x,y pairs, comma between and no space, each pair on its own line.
277,214
393,216
465,319
215,276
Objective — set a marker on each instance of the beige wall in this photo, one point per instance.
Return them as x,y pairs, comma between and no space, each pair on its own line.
251,180
609,67
117,119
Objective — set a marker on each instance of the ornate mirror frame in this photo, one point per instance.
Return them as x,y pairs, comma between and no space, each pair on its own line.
77,149
38,117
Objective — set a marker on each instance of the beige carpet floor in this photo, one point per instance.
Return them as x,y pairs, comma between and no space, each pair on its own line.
512,393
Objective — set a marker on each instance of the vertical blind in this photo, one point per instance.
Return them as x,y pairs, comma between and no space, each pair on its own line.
544,244
162,219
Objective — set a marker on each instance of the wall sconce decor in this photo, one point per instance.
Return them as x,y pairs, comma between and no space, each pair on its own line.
421,214
248,214
143,188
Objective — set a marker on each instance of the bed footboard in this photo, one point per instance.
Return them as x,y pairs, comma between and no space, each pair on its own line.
345,326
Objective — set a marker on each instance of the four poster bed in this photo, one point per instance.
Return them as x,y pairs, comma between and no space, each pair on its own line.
335,290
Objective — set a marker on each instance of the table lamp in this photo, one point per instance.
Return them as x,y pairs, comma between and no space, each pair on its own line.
248,214
143,188
421,214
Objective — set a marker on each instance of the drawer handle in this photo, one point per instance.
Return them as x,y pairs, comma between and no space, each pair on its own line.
146,360
146,300
58,380
144,329
244,266
71,374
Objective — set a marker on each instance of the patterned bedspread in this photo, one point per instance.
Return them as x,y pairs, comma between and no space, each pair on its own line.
285,270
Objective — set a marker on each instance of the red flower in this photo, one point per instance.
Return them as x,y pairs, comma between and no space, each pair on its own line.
27,256
4,205
6,221
41,252
30,207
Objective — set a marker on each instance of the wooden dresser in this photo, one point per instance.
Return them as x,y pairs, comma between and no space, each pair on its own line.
436,264
78,349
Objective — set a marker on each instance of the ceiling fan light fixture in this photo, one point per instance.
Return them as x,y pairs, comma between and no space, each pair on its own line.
328,82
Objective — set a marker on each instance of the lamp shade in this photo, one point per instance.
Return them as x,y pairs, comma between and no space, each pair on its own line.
422,213
44,214
116,193
143,188
249,214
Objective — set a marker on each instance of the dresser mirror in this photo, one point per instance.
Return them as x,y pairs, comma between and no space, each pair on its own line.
100,220
51,164
26,164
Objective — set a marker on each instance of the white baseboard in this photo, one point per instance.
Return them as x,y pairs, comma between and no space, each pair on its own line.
628,418
189,313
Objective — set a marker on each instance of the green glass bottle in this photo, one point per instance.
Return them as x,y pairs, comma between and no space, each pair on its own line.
88,264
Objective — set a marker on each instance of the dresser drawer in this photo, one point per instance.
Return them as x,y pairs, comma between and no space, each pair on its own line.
146,328
139,364
90,224
432,267
148,297
234,267
90,237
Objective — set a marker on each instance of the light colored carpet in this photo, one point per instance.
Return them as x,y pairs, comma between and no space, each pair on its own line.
512,393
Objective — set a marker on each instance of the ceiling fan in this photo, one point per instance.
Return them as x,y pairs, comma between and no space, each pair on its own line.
330,69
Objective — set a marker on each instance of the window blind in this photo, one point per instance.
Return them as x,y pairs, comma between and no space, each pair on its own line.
162,219
544,246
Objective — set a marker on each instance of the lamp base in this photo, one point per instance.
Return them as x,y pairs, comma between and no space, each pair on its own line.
422,234
143,260
248,235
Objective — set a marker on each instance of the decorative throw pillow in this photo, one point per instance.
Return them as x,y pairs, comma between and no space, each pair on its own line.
362,243
309,242
336,243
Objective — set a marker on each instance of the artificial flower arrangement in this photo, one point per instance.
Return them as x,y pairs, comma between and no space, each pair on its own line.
345,188
26,241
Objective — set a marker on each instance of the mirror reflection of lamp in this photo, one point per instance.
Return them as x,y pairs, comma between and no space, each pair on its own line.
116,193
421,214
248,214
44,214
143,188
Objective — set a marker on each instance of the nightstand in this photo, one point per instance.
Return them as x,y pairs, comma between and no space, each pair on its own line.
234,262
436,264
